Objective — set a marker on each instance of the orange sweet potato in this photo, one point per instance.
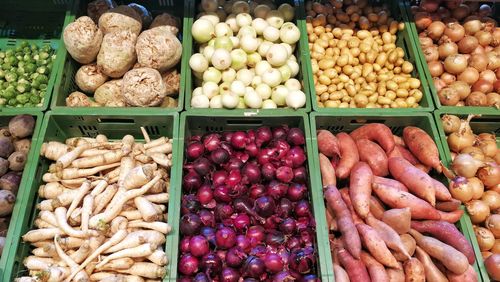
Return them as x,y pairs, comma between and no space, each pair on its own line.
327,171
409,244
390,237
432,272
390,182
396,275
328,143
399,141
442,192
468,276
448,206
340,273
377,132
422,146
373,155
418,182
344,192
376,207
360,188
355,268
398,219
375,269
400,151
349,153
451,217
376,246
414,271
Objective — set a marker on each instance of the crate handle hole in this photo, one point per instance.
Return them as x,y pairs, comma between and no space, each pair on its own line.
254,122
363,121
116,120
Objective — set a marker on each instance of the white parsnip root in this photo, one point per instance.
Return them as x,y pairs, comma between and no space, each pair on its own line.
102,211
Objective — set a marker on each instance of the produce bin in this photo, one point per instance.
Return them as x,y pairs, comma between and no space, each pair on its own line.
425,68
347,122
405,39
58,126
65,81
40,23
299,51
486,123
198,123
23,187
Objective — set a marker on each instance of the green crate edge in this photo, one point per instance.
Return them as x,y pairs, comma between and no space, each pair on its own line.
174,174
70,17
418,67
464,223
244,112
447,155
425,68
324,263
12,235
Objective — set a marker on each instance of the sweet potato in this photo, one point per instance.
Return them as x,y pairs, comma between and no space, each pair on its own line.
398,219
377,132
344,220
422,146
349,153
409,244
399,141
355,268
414,179
432,272
442,192
419,208
340,273
468,276
390,182
447,233
448,206
376,246
375,269
328,143
376,207
390,237
414,270
360,188
371,153
400,151
344,192
451,217
331,221
327,171
450,257
396,275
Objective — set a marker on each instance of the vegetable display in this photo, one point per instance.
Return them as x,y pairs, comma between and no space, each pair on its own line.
122,66
15,144
246,56
245,208
355,60
475,161
102,214
394,219
460,42
24,74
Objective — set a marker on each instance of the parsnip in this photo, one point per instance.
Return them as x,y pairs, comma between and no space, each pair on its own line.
81,253
88,203
158,257
98,160
137,238
145,269
60,214
82,191
81,276
160,198
162,227
121,263
147,209
102,200
53,150
71,173
143,250
41,234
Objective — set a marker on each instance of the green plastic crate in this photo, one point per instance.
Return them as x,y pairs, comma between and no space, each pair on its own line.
489,123
404,40
65,82
299,51
346,122
23,187
194,123
429,81
38,22
60,126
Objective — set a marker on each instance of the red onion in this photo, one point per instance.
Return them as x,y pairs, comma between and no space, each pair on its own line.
284,174
277,189
253,267
302,260
229,274
241,222
209,234
191,181
207,217
296,137
284,208
190,224
205,194
219,177
257,190
211,264
295,157
275,238
233,178
223,211
268,171
243,242
184,244
221,194
233,164
264,206
296,192
251,172
189,204
300,175
202,166
256,235
235,256
219,156
251,149
263,136
198,246
273,263
194,150
188,264
287,226
201,277
238,140
211,142
302,208
225,238
280,132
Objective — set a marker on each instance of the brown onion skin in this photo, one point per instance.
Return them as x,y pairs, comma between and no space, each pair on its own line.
496,85
476,99
426,42
462,88
429,5
479,62
422,20
439,84
493,99
431,54
495,42
482,86
455,64
488,75
435,30
492,264
447,49
483,37
435,68
490,174
454,31
460,12
448,78
469,75
448,96
467,44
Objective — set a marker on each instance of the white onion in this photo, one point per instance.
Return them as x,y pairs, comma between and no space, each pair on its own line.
247,30
212,17
238,88
279,95
223,29
256,81
236,41
275,18
253,59
252,99
264,91
209,5
225,87
221,59
293,84
264,47
197,91
228,75
271,77
241,104
261,11
293,58
294,67
210,89
288,48
271,34
296,99
212,74
231,22
239,59
249,44
229,100
216,102
259,25
240,7
243,19
277,55
223,42
289,33
261,67
208,51
269,104
287,11
211,42
245,76
198,62
200,102
202,30
286,72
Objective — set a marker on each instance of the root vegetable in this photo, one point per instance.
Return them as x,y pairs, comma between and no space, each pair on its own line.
137,238
355,268
376,246
158,48
121,18
121,263
10,181
409,244
398,219
60,214
414,270
139,251
22,145
390,237
432,272
422,146
349,153
492,266
162,227
41,234
82,39
327,171
145,269
451,217
6,147
328,144
340,273
21,126
376,132
146,208
158,257
360,188
373,155
375,269
448,206
7,201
